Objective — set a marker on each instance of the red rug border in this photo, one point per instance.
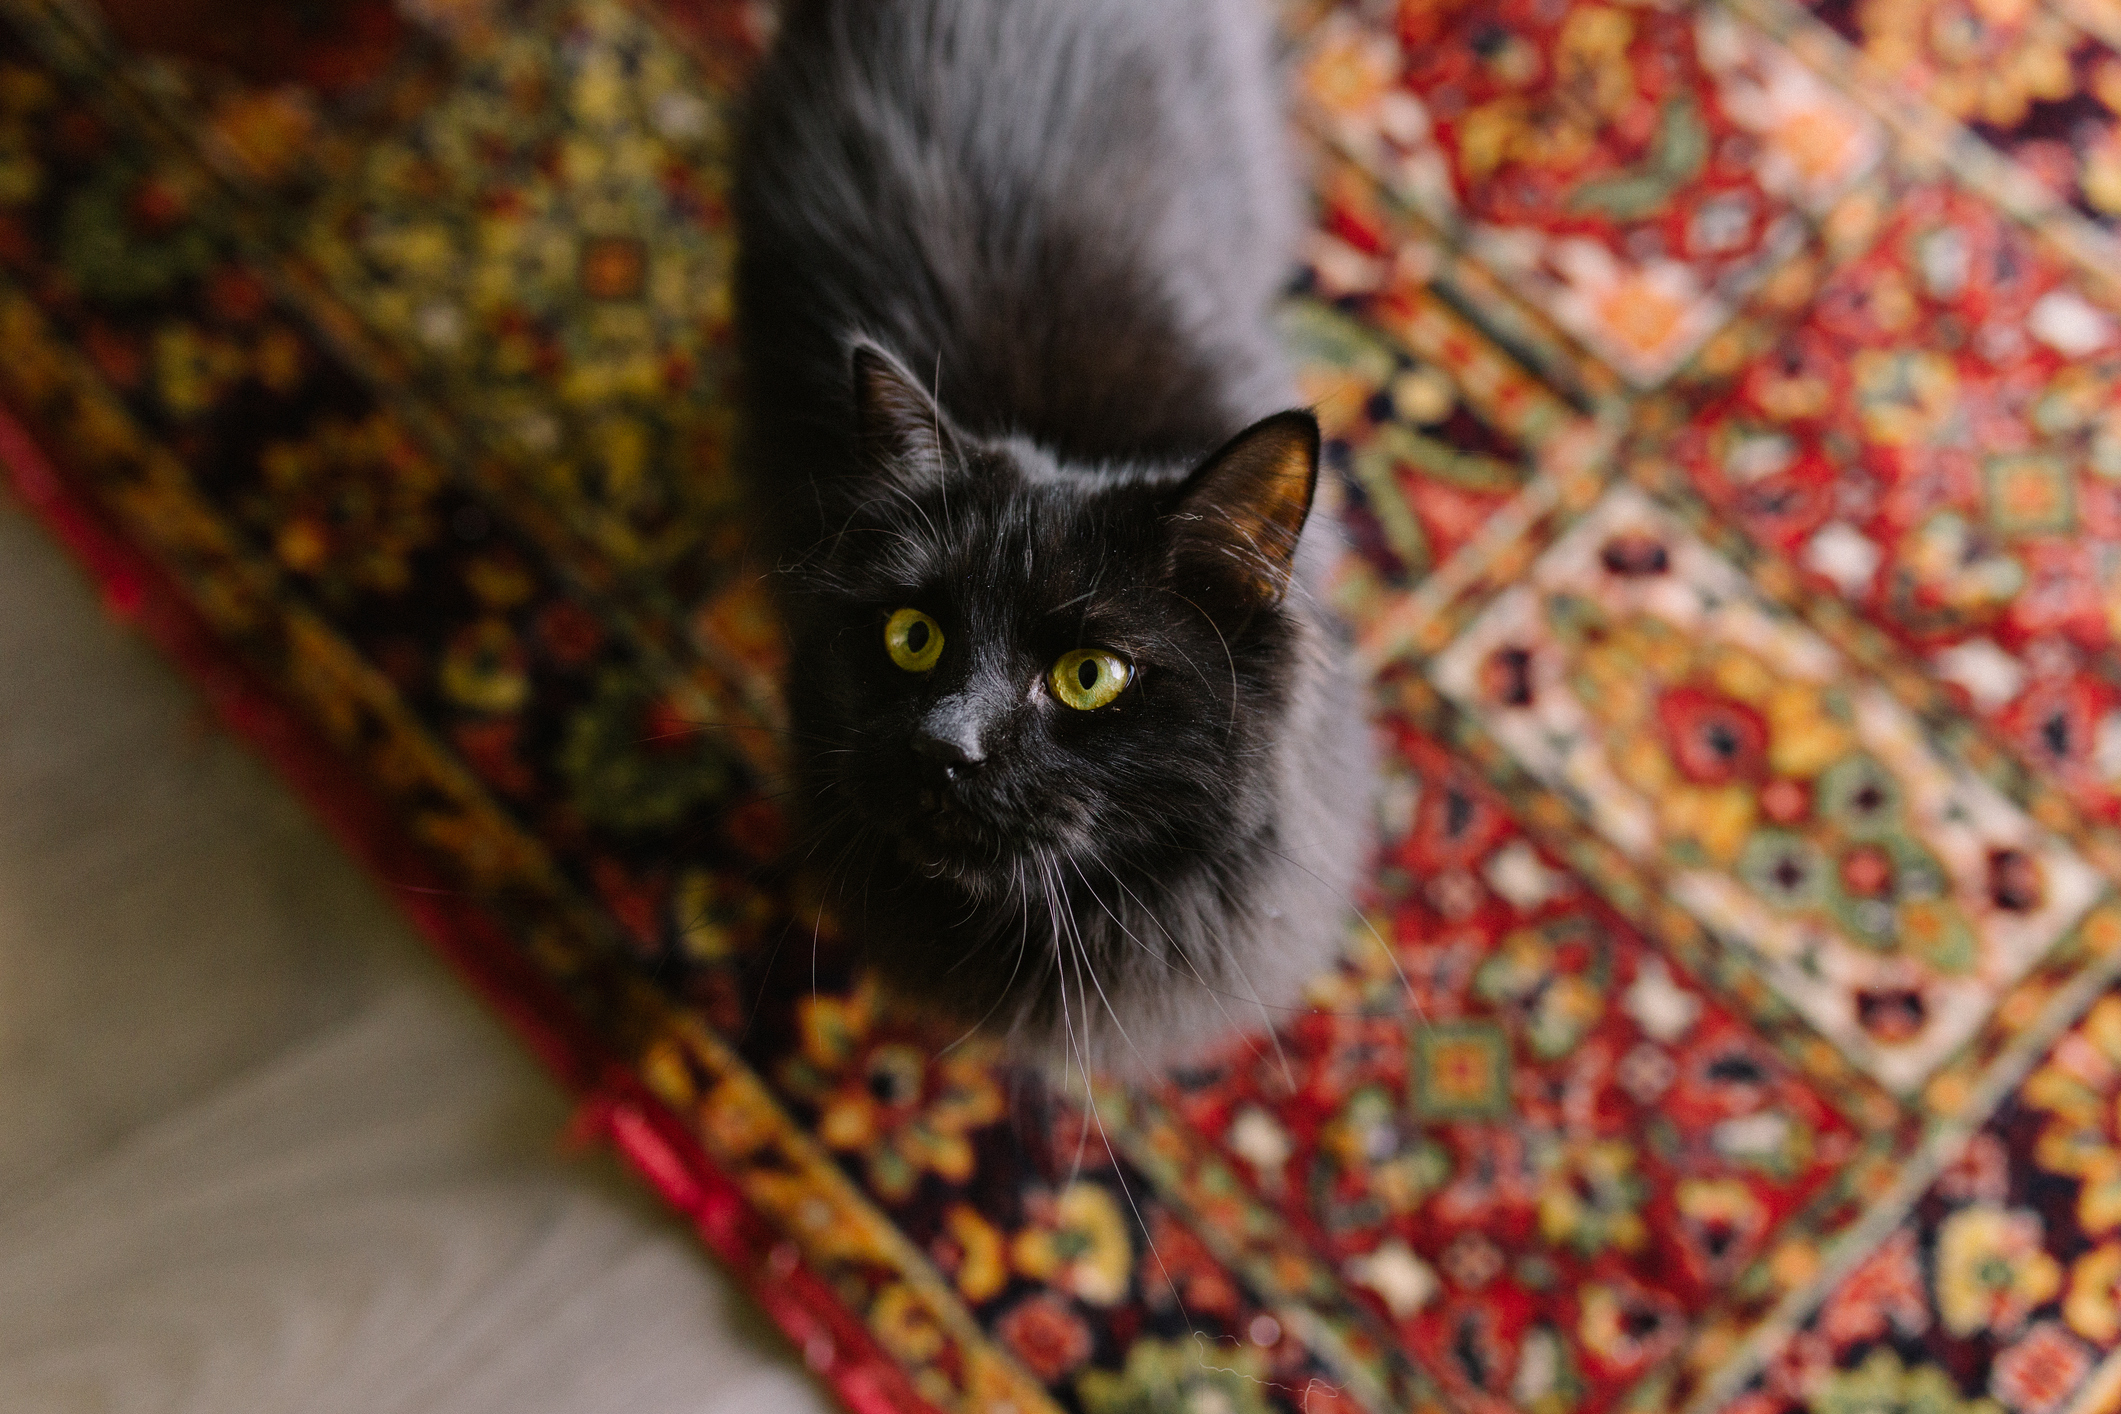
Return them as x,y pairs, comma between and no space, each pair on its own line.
615,1103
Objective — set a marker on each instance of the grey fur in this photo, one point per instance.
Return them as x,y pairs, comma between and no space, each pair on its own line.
996,191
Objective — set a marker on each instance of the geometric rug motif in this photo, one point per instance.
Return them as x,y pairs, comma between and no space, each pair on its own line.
2002,1289
563,267
1541,1152
2038,82
1786,801
1631,170
1939,441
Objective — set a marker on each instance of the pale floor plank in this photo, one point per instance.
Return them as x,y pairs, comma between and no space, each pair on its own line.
257,1151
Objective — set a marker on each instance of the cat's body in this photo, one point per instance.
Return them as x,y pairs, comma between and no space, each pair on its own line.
1065,220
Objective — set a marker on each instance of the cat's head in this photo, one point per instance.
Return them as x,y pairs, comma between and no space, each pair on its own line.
1005,665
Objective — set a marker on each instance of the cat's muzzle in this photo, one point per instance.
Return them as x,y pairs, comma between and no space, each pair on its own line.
946,837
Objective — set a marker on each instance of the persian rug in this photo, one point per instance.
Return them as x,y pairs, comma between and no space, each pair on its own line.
1724,399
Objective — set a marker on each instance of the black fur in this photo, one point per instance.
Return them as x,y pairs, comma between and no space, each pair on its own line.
1003,294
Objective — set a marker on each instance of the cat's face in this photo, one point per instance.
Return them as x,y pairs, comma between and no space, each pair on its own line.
1007,670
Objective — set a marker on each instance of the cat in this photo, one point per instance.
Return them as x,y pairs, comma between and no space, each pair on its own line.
1078,745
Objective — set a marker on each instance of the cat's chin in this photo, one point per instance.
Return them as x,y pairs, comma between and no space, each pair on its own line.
982,865
931,863
946,842
970,866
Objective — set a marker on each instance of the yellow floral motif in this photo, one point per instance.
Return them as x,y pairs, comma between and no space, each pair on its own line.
501,582
1717,818
982,1266
2093,1306
1558,1005
1621,1329
1078,1244
1803,738
193,370
904,1324
1650,688
2101,178
1817,140
485,669
2077,1087
534,256
1351,73
1591,66
1985,61
352,503
1622,672
887,1098
1792,395
481,842
1721,1203
740,1119
663,1066
1591,59
830,1228
1992,1270
1366,1142
1590,1196
717,915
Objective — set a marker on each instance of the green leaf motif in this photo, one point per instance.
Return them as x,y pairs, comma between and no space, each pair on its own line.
1677,154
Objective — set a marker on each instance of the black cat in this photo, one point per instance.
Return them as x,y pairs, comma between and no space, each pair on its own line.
1079,745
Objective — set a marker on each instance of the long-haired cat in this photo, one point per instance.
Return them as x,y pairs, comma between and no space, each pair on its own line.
1077,741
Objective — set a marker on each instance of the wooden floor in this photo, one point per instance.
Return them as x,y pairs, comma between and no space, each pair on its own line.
257,1151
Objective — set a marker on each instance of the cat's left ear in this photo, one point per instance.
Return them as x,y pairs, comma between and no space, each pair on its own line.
1237,519
900,432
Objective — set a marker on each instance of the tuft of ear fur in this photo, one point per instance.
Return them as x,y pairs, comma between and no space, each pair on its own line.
899,431
1238,517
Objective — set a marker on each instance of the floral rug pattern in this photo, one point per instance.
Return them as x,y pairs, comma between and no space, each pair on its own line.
1724,401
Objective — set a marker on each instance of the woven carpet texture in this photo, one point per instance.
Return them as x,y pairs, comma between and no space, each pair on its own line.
1724,401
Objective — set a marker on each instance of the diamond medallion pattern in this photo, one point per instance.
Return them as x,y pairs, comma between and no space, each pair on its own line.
1790,804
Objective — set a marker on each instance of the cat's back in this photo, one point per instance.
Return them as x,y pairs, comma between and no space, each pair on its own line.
1071,213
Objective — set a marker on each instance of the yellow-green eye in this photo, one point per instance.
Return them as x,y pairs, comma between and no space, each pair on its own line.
913,639
1090,677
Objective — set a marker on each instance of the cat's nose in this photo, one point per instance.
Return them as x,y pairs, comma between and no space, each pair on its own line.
947,740
952,754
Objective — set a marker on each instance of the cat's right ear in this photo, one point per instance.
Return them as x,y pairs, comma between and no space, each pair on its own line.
899,430
1239,516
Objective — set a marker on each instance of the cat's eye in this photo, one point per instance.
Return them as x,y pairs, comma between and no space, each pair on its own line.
1090,677
913,640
